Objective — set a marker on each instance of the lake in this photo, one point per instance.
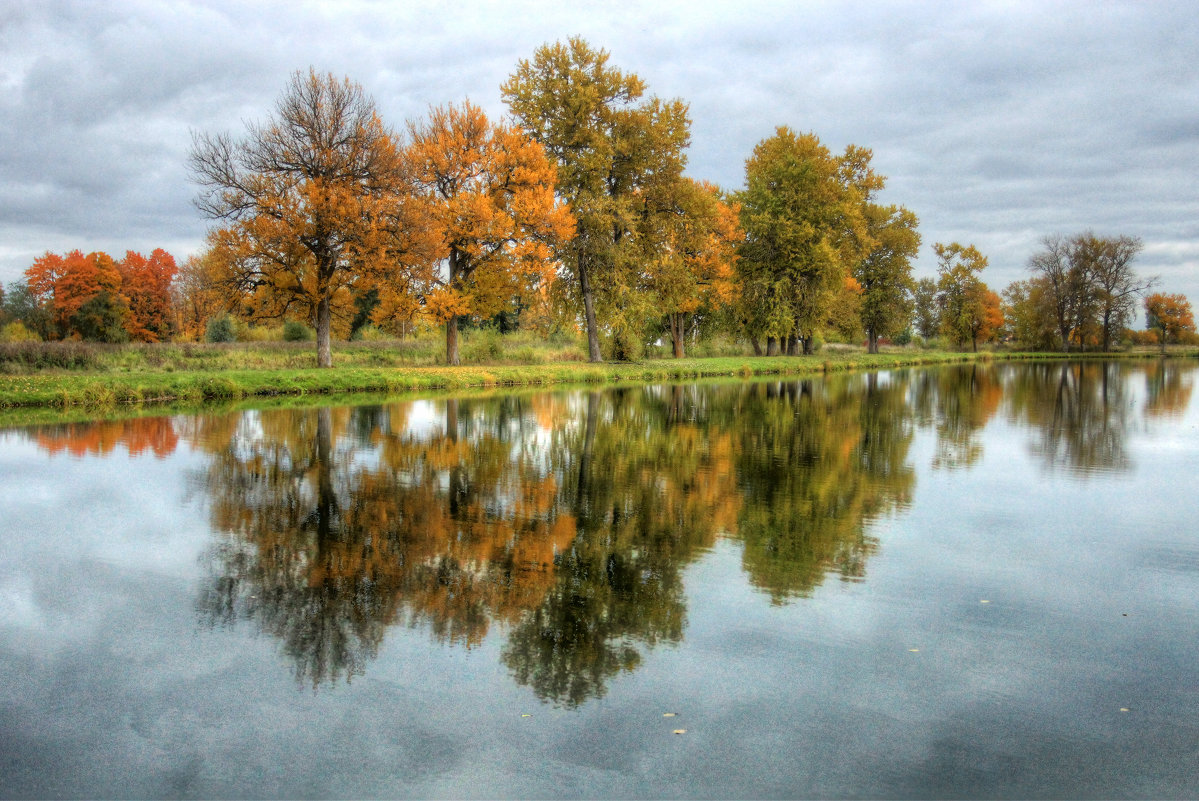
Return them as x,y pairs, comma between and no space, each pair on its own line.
975,581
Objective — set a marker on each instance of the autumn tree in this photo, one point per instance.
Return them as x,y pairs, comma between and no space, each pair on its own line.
1116,286
307,202
610,147
146,284
196,296
802,214
692,256
970,312
885,274
65,285
1089,285
1169,316
1028,314
492,214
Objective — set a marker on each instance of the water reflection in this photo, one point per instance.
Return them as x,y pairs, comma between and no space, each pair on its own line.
567,520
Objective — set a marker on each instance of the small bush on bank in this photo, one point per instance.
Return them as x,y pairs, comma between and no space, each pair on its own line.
221,329
295,331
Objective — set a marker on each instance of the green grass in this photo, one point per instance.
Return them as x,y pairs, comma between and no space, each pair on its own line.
96,379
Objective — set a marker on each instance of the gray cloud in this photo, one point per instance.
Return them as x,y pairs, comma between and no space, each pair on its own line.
995,124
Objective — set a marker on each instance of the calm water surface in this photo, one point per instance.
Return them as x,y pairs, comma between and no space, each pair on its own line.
967,582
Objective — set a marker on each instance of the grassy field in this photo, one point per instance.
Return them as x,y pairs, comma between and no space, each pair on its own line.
93,378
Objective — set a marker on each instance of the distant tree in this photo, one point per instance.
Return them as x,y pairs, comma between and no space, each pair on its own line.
1109,263
63,284
102,318
492,213
1170,316
1089,285
1028,314
690,263
22,305
969,310
926,316
146,284
309,199
196,296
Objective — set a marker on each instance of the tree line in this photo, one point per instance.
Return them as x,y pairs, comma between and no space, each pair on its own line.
572,212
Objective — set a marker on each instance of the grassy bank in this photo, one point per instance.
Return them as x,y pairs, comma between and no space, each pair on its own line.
91,378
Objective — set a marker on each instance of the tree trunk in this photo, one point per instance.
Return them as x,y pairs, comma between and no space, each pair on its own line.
324,324
756,345
807,345
871,342
593,345
676,334
772,346
451,341
793,345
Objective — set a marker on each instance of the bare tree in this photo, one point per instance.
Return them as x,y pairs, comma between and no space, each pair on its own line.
308,201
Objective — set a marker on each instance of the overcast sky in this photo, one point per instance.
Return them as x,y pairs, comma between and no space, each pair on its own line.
996,123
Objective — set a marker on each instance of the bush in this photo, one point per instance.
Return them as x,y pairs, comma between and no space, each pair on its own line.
17,332
483,345
220,329
295,331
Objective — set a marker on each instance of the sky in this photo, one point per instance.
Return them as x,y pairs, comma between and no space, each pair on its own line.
997,123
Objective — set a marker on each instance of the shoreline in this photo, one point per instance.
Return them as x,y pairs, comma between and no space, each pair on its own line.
99,392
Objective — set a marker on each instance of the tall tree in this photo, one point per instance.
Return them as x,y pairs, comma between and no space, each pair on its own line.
926,317
969,310
691,253
309,199
609,146
885,275
493,213
802,214
1116,286
1067,286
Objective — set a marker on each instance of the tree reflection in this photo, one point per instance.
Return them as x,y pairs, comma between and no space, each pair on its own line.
1080,413
819,461
568,521
1169,389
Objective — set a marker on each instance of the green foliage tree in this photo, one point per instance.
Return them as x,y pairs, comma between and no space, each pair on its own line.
885,275
926,316
613,150
802,211
969,310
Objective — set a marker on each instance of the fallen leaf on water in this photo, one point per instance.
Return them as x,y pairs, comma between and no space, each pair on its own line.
984,602
914,650
680,731
526,716
1123,709
669,714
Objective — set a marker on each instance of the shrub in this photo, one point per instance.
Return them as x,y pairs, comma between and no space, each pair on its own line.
17,332
295,331
220,329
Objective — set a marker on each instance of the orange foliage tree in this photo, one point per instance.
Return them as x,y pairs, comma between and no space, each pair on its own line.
65,284
691,263
491,212
311,199
146,283
1170,316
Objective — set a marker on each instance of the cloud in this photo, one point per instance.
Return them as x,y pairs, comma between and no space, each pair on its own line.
996,124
